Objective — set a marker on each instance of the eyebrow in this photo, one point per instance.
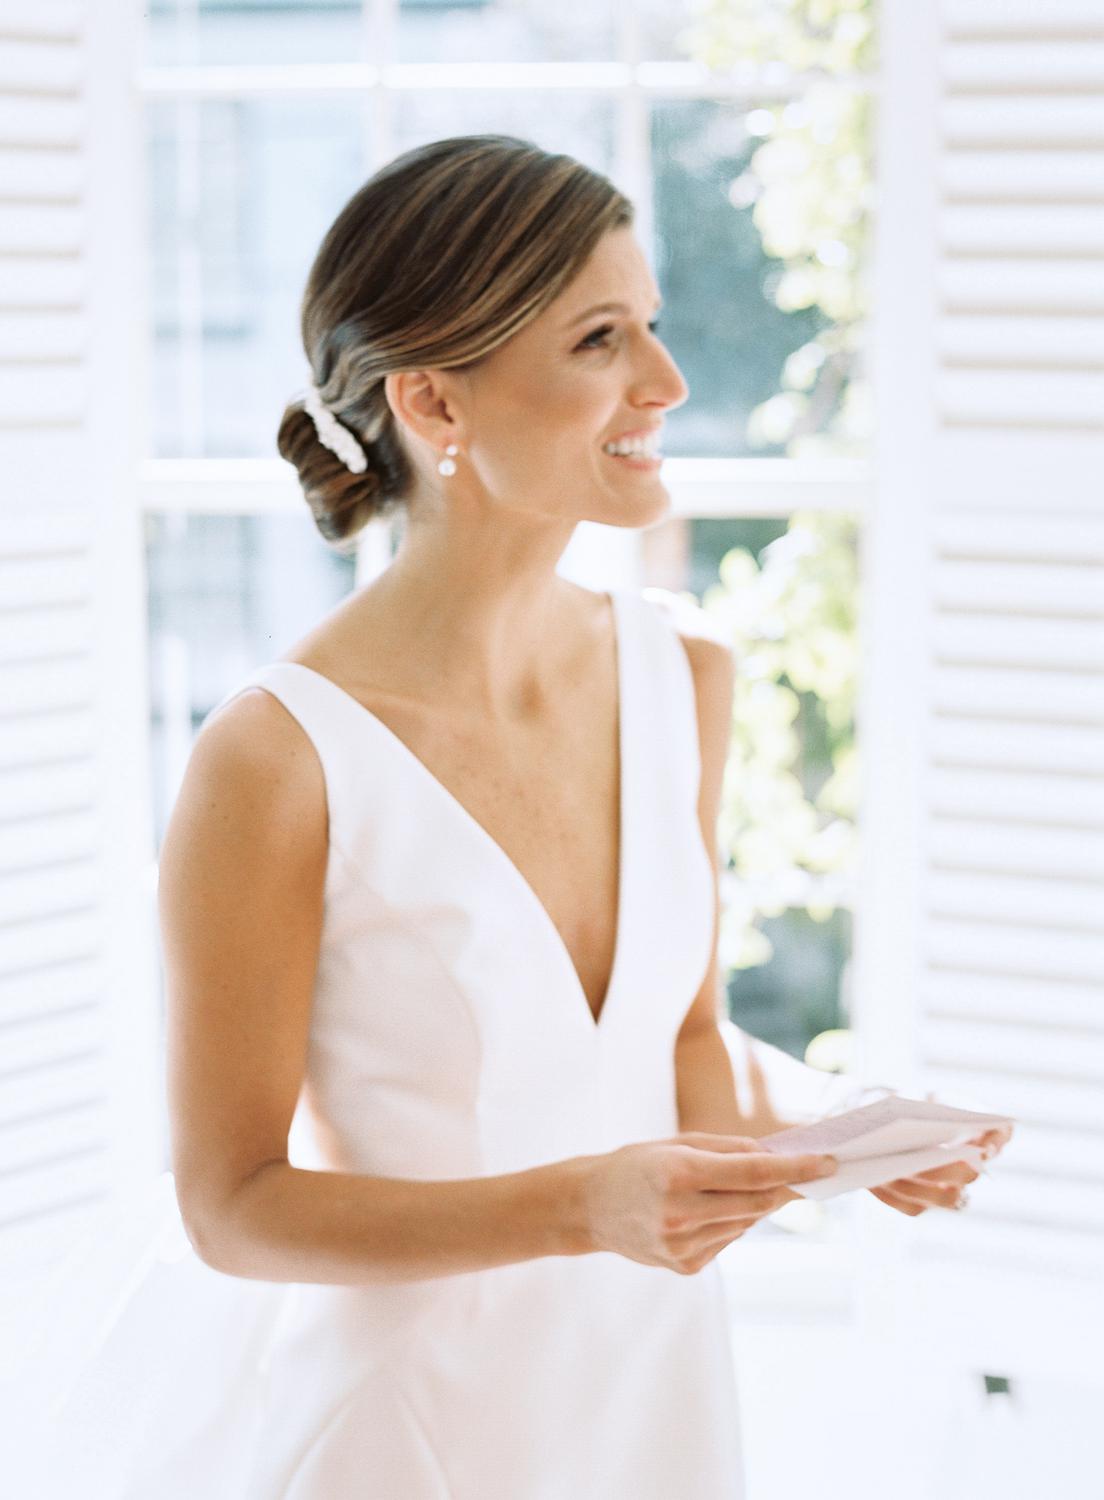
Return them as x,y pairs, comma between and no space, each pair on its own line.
607,307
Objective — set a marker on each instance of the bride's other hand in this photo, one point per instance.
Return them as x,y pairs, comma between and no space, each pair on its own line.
941,1187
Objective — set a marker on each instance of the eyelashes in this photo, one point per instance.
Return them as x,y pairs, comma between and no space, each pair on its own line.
607,328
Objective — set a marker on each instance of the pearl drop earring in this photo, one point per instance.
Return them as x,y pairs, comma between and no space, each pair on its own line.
446,465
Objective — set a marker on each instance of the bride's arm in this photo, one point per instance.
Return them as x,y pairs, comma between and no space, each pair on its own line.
728,1082
241,900
731,1083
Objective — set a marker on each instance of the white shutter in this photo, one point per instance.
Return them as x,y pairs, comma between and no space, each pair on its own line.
79,1003
980,940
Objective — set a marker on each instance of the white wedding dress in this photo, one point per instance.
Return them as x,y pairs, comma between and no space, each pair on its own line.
450,1038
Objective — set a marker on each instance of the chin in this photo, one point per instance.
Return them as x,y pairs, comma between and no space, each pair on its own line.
648,508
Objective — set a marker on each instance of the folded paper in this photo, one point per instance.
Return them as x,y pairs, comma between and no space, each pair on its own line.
880,1142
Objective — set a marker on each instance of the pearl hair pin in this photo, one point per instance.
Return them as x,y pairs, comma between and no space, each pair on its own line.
447,465
332,434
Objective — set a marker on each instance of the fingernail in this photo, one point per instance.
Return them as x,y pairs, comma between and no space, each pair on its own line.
963,1199
828,1165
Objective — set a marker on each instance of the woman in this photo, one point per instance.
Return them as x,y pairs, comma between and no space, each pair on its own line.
438,902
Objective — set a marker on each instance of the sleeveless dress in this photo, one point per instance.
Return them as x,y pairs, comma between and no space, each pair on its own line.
450,1038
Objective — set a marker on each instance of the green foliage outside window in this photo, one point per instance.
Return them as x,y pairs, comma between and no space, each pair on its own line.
788,809
810,183
787,827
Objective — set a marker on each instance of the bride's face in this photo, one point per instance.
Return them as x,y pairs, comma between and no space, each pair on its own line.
539,412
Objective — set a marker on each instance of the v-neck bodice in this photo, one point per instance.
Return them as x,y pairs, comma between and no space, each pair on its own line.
449,1025
451,807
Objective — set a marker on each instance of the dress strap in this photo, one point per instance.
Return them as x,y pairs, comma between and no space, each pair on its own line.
316,706
666,688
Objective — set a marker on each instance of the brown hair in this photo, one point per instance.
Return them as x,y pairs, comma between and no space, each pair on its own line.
444,254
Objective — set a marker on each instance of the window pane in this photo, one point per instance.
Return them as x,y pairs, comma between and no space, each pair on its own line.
254,31
241,192
721,324
664,27
505,31
783,593
226,594
579,124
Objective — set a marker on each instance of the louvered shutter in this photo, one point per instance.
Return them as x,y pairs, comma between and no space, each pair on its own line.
79,1002
980,945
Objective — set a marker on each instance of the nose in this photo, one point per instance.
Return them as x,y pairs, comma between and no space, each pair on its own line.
660,381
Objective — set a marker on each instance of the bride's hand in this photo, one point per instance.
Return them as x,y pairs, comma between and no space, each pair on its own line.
677,1203
941,1187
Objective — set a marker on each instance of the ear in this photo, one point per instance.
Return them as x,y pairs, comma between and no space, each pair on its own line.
426,404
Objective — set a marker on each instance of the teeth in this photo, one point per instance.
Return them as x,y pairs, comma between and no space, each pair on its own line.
640,447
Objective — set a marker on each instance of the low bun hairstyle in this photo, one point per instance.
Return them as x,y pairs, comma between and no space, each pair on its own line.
444,254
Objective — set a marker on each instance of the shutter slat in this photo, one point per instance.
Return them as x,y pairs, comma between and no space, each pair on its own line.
33,894
995,947
46,394
1021,286
1007,693
37,120
1054,902
34,283
998,176
41,176
41,229
49,987
1017,587
57,576
1049,538
1063,399
39,66
1013,998
1021,1050
968,1242
1004,640
1023,342
47,685
49,19
56,1178
38,843
70,1076
49,789
59,1133
1048,1102
32,635
44,335
1073,121
1002,230
1026,65
1058,748
1016,798
34,1046
51,737
1061,1207
1079,20
67,936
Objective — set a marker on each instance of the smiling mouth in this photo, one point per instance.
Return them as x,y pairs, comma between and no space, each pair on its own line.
647,448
